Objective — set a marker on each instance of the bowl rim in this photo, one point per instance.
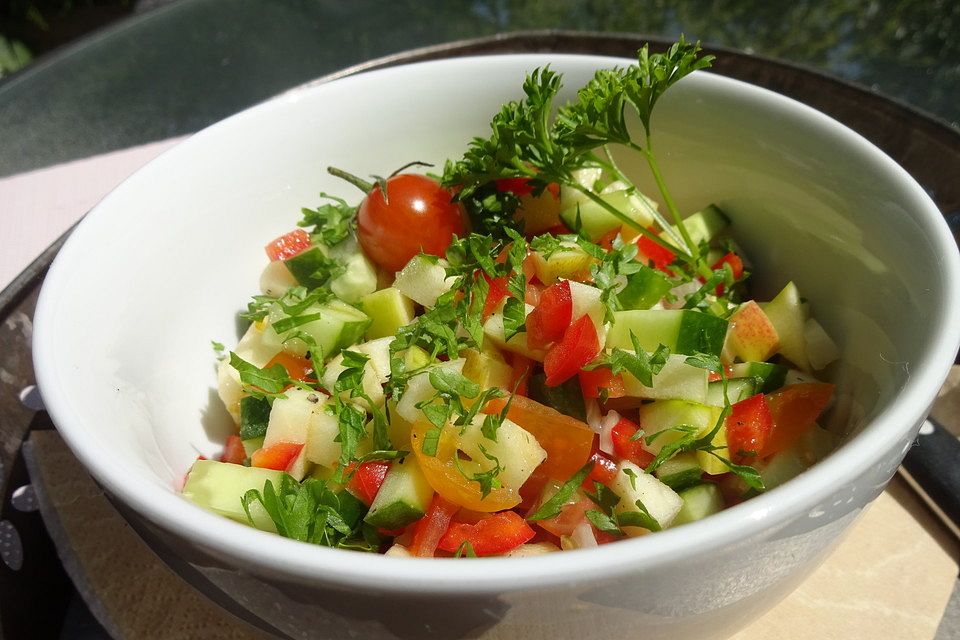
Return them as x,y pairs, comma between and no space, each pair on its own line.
289,559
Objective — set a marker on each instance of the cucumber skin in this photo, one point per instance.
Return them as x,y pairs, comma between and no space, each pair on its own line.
254,417
566,398
403,498
683,331
699,502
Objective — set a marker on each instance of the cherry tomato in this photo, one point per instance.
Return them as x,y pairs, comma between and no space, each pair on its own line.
418,216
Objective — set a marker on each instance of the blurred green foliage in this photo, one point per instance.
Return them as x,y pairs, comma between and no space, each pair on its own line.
905,48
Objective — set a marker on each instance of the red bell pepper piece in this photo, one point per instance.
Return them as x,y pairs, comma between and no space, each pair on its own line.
498,291
366,481
748,427
277,456
660,256
736,266
548,321
604,470
430,528
233,451
593,382
493,535
571,515
794,409
626,447
288,245
521,187
578,346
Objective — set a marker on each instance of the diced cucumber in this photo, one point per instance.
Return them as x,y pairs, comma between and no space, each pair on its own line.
398,428
781,467
220,486
276,279
487,371
771,376
423,280
517,451
388,310
251,445
709,462
677,379
594,220
372,381
290,420
660,501
255,347
821,349
310,268
419,390
666,415
699,502
566,398
585,300
493,329
679,472
254,417
359,277
570,262
337,325
681,330
643,289
737,389
786,314
403,498
703,226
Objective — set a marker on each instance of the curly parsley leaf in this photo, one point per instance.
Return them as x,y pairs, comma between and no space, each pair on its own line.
332,222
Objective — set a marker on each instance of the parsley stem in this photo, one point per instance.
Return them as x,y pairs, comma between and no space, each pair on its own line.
624,218
358,182
668,200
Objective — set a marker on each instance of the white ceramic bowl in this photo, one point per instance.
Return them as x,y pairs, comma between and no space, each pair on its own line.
160,267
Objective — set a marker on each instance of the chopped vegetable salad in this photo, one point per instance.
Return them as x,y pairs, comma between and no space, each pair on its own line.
522,355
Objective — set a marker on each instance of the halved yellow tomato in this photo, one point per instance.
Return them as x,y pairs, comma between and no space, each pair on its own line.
446,479
567,441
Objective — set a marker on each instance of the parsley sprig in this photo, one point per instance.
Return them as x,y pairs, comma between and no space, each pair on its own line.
312,512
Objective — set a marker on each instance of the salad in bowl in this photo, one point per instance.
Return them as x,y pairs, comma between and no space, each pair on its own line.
520,355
